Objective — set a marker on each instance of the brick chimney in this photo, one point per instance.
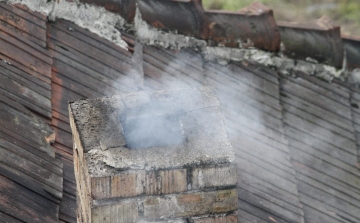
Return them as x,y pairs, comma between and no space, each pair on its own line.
153,157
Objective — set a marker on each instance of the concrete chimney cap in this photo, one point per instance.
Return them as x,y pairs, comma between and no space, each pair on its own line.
151,130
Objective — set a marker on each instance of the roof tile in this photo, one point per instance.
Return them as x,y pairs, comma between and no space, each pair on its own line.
318,40
253,26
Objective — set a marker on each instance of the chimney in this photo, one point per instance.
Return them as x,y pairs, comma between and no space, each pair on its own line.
159,156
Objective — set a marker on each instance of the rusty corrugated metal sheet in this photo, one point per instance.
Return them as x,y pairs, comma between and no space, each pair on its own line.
253,26
126,8
318,40
352,50
186,17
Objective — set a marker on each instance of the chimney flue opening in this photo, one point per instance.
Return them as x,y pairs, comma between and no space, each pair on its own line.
152,131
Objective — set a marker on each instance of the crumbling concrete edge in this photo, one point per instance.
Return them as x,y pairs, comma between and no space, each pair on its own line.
149,35
106,25
94,18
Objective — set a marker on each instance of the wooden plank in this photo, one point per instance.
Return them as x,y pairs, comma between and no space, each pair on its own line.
265,88
29,156
69,170
22,91
82,61
313,215
234,130
63,118
326,209
32,184
28,198
266,175
313,182
251,79
20,211
61,125
83,79
258,69
31,149
25,13
62,93
322,179
293,103
321,155
19,123
316,121
25,25
25,82
87,49
221,82
266,164
307,139
82,89
163,77
68,208
291,88
43,176
30,71
27,104
260,213
174,68
64,138
327,135
62,150
4,217
295,207
94,40
268,187
6,68
228,95
169,75
245,124
326,168
41,16
242,68
271,206
316,83
258,149
26,45
188,60
240,110
16,31
245,217
320,87
12,51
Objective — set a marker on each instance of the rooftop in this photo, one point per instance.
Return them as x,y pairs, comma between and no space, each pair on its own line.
291,107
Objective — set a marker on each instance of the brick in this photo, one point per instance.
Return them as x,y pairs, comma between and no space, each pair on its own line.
173,181
126,184
132,183
166,182
184,199
226,219
156,208
214,176
100,187
124,212
190,204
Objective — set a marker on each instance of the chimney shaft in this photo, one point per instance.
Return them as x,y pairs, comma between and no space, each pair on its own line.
153,156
